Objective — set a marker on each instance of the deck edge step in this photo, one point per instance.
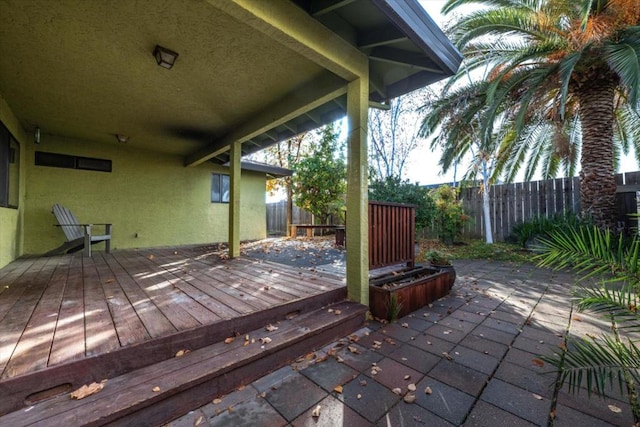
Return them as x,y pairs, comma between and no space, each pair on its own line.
189,382
15,390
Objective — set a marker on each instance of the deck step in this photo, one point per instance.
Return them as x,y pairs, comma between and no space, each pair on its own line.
192,380
18,391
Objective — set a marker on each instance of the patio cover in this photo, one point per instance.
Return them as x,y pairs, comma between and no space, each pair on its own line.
249,73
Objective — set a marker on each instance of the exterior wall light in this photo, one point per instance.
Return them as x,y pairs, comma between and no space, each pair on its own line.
165,57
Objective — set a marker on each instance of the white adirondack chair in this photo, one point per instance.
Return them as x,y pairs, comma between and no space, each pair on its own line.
78,235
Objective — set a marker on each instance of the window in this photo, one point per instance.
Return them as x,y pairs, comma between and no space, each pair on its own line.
219,188
9,169
72,162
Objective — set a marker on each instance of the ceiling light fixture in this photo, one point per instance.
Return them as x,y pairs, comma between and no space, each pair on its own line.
165,57
122,138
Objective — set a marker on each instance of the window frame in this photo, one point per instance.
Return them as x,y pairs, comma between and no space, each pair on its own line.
9,155
219,183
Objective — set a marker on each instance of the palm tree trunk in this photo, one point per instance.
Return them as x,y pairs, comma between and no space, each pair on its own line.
597,180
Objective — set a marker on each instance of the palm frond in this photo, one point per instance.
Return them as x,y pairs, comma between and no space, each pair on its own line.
597,364
624,59
618,304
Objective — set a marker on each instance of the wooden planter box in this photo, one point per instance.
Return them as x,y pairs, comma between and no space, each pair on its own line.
415,288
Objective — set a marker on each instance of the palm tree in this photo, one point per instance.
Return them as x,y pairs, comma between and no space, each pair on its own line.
567,75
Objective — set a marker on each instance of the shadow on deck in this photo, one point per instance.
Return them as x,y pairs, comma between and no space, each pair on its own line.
71,320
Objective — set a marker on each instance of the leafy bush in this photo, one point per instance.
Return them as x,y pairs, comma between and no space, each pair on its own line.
449,215
393,189
541,226
319,180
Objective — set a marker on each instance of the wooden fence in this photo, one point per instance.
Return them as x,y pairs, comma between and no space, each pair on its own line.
511,204
392,229
277,217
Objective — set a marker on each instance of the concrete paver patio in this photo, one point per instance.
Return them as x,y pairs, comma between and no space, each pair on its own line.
477,350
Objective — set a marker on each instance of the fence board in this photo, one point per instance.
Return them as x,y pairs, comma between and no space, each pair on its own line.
511,204
391,234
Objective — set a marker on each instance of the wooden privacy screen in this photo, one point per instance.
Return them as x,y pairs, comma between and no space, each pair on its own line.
392,229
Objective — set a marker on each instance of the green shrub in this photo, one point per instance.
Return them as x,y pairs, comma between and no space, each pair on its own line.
541,226
449,217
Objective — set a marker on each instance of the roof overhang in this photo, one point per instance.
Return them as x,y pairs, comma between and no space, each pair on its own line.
252,71
272,172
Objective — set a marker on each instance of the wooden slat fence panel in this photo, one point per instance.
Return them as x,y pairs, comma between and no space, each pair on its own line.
511,204
277,217
391,234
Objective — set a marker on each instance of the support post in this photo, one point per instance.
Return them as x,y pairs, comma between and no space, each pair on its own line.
357,198
234,199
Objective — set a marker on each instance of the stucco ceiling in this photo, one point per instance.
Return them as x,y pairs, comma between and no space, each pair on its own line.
84,69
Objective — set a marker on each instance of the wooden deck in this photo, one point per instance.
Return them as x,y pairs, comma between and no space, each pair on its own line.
71,316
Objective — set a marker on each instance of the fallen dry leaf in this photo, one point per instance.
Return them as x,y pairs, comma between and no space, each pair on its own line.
338,389
316,411
397,391
406,377
337,312
229,340
320,359
537,396
411,387
359,396
537,362
405,325
155,389
216,401
87,390
270,328
265,340
447,355
428,390
353,349
614,408
409,398
151,257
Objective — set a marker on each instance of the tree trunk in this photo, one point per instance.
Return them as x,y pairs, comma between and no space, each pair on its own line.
597,179
488,230
289,207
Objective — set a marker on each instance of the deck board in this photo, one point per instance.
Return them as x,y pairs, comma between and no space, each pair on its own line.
63,309
69,338
129,327
155,323
161,292
41,307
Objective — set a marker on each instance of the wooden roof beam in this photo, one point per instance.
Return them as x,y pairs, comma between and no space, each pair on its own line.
314,94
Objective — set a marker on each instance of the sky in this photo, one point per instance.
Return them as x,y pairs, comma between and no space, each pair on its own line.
423,166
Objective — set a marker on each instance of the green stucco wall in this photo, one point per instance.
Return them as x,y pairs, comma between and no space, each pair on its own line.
10,218
148,195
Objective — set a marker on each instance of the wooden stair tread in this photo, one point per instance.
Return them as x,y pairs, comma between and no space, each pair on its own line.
133,392
15,390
